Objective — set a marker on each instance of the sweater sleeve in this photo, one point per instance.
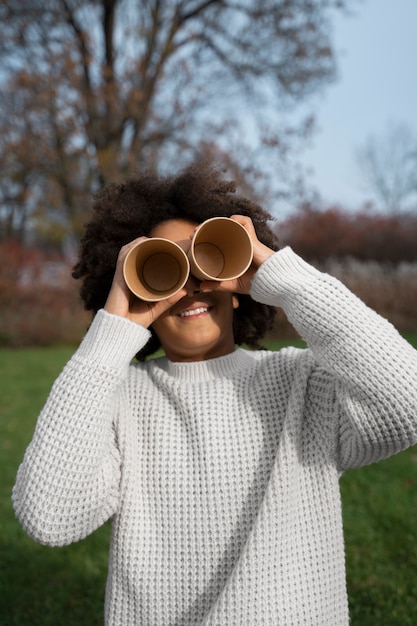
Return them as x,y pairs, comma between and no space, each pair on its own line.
365,369
68,482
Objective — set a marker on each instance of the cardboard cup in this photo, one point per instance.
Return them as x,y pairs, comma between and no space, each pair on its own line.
156,269
221,249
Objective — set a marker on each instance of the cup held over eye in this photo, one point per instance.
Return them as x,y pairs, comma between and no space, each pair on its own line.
221,249
156,269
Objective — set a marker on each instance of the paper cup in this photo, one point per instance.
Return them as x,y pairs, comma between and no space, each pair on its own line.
156,269
221,249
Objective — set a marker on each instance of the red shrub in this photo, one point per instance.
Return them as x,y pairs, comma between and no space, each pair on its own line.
39,303
333,233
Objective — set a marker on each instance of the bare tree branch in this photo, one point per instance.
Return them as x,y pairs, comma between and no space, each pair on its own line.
388,167
110,84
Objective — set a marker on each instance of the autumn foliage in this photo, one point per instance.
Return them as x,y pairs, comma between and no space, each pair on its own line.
373,254
318,235
39,304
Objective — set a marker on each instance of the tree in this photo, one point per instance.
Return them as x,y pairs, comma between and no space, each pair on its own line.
92,89
388,167
318,234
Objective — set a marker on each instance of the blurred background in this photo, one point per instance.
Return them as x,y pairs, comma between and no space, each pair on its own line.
310,105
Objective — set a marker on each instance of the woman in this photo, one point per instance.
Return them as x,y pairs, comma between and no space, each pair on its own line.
218,465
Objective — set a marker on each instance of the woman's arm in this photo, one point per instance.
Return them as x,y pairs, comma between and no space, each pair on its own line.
363,362
68,483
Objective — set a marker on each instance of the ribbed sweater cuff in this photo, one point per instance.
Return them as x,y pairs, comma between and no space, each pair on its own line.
112,340
282,275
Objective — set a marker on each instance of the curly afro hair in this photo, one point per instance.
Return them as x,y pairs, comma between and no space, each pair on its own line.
126,210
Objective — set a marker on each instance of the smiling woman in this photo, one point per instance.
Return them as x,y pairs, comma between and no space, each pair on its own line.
138,207
218,466
200,325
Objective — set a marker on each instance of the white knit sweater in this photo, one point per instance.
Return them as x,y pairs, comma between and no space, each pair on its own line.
221,476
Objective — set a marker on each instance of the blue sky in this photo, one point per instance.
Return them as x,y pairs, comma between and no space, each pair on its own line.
377,85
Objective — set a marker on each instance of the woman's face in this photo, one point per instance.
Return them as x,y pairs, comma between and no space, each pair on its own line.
200,325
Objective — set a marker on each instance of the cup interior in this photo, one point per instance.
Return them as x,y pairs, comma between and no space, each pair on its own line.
221,250
156,269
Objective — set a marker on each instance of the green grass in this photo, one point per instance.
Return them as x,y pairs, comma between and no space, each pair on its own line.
380,522
42,586
380,518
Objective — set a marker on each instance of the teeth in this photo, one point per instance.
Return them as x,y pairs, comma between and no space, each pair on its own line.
201,309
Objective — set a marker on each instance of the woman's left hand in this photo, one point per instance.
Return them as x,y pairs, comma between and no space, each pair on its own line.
243,283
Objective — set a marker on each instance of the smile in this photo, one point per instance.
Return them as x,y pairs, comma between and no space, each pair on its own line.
198,311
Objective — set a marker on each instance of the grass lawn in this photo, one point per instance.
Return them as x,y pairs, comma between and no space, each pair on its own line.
42,586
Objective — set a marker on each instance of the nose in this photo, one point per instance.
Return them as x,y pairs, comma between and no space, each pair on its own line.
192,286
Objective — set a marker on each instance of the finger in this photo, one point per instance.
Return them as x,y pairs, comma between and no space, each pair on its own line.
124,250
246,222
145,313
260,251
158,308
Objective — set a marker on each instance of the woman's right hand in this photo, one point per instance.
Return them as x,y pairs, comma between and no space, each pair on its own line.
121,301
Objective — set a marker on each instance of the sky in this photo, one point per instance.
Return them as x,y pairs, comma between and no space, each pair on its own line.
377,67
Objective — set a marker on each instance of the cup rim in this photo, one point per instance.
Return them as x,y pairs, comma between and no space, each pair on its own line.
180,255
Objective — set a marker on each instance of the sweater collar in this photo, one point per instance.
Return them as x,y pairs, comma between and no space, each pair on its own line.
198,371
